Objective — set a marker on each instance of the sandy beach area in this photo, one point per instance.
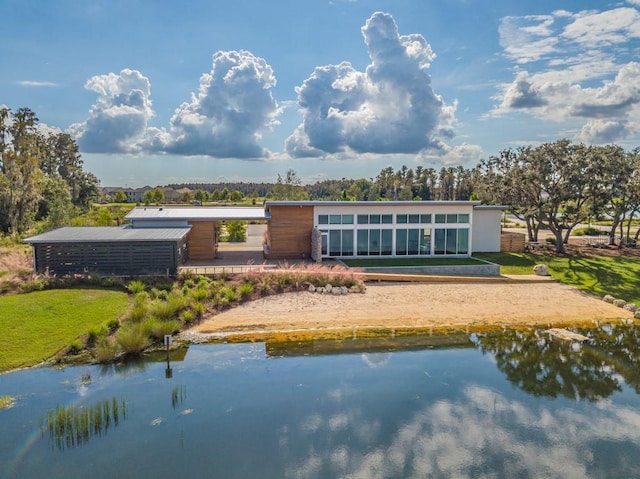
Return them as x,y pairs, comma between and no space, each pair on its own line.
412,305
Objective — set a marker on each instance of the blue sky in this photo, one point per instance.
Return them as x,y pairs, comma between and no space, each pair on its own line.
160,92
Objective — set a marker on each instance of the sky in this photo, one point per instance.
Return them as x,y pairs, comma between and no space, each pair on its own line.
205,91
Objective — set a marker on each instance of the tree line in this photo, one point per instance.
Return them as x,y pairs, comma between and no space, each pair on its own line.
556,185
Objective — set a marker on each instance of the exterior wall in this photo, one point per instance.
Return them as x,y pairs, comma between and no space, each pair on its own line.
439,229
289,232
486,230
203,240
121,258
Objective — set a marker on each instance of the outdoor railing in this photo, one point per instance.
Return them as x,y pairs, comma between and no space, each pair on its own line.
231,269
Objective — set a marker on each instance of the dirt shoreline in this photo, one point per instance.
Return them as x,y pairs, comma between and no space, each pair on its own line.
430,305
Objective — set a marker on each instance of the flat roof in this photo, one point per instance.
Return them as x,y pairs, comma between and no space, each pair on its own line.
98,234
372,203
144,213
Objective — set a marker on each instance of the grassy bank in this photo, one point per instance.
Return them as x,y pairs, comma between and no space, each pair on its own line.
37,325
618,276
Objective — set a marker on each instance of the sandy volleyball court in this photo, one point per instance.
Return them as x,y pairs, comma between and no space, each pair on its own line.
418,305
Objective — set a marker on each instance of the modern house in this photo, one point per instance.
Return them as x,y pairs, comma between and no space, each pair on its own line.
157,240
330,229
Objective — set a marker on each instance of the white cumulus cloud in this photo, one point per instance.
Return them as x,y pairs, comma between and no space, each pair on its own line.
119,117
389,108
227,116
585,70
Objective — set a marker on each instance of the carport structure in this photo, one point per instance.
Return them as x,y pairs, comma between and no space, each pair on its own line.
204,224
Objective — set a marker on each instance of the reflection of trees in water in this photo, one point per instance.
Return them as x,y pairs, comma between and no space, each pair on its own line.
540,365
618,346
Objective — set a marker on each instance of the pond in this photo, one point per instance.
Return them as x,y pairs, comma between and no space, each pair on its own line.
497,404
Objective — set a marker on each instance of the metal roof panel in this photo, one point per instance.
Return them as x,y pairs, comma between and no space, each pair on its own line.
96,234
152,213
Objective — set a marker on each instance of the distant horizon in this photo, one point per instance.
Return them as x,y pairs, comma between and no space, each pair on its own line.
338,88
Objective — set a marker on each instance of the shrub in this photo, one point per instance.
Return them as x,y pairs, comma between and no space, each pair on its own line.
188,316
158,329
186,275
105,350
236,231
135,287
138,312
76,346
589,231
230,293
245,289
160,291
169,309
96,332
132,338
198,308
113,325
199,294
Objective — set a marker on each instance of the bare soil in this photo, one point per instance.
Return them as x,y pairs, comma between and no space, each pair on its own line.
424,305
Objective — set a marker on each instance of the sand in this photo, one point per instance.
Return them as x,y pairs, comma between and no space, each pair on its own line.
411,305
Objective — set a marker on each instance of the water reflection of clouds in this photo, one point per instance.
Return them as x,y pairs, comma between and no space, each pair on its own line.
224,356
376,360
484,434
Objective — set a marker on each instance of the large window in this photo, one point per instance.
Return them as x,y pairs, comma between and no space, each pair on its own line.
404,234
340,242
451,241
374,242
413,241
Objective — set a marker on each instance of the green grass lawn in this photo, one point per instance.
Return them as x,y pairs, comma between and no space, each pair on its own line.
35,326
618,276
389,262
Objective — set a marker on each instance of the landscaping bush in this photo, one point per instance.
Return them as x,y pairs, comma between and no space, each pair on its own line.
75,347
245,289
105,350
138,311
157,329
132,338
199,308
230,293
169,309
188,316
589,231
199,293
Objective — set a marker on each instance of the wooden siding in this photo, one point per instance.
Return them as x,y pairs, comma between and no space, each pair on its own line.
289,232
111,258
202,240
512,242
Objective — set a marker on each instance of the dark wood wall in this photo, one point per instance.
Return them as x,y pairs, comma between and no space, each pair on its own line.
140,258
289,231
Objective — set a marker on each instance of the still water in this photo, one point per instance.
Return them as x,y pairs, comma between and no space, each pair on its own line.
509,404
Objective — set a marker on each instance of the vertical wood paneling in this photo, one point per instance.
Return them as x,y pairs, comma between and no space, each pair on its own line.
290,231
202,240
